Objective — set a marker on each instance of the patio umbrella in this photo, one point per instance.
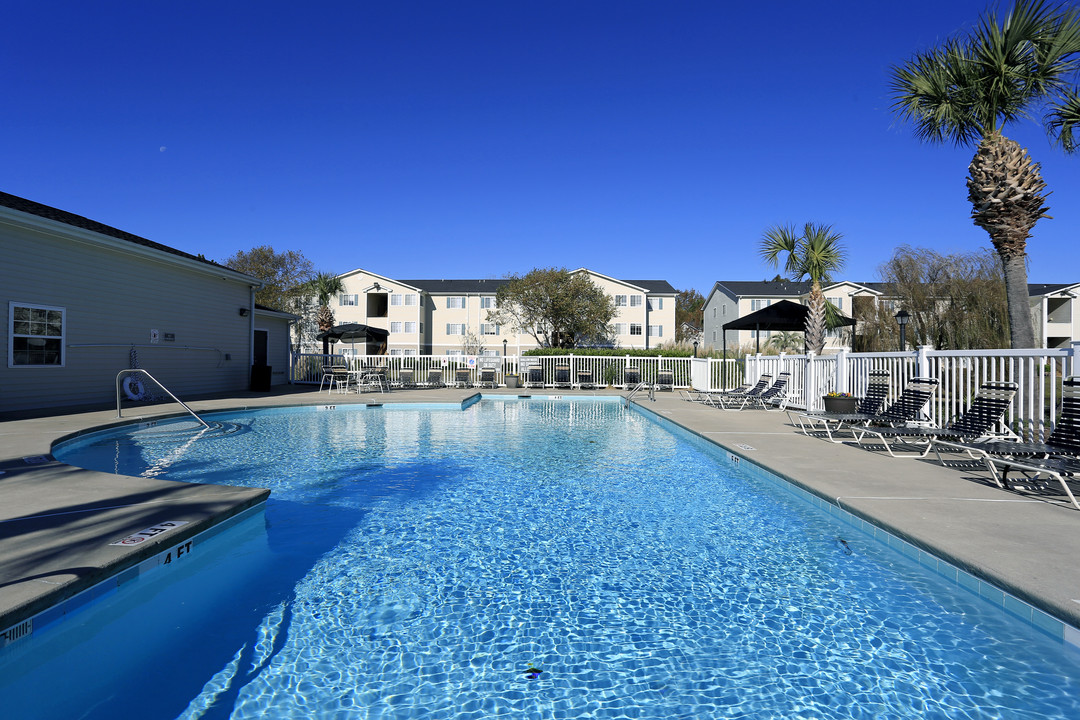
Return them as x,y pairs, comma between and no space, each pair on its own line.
781,316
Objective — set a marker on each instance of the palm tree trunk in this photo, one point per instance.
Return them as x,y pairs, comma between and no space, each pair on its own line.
815,319
1021,329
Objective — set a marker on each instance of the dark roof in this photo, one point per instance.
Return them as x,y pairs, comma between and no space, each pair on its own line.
782,315
62,216
1046,288
492,286
780,288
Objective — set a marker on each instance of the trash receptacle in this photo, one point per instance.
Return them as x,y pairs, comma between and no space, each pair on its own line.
260,378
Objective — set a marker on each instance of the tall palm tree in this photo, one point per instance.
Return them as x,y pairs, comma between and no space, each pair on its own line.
325,286
816,254
968,89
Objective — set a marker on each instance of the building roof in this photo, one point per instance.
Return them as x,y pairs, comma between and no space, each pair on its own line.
450,287
62,216
788,288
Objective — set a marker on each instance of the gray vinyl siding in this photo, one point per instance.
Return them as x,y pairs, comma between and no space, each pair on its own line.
112,300
277,346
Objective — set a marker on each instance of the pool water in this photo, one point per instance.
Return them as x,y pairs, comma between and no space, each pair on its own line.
518,559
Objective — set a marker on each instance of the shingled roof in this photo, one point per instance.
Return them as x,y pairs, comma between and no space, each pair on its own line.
62,216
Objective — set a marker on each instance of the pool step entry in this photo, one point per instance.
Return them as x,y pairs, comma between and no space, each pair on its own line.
136,389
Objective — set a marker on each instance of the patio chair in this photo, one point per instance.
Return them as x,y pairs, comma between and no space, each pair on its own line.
877,390
775,394
562,376
631,377
585,379
336,375
435,379
535,378
488,378
406,378
462,378
665,380
371,378
908,408
741,394
975,424
1058,468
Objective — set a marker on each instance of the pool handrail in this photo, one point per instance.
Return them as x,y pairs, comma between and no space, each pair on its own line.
131,371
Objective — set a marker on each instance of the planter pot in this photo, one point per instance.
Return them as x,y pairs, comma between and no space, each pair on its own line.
840,404
511,381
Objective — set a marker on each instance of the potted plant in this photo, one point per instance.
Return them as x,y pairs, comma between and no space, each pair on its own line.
611,372
511,380
840,402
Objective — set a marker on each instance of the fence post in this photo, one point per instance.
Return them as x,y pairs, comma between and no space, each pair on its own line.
841,376
922,361
1074,358
809,390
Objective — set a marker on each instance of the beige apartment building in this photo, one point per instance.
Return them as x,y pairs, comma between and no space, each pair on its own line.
450,317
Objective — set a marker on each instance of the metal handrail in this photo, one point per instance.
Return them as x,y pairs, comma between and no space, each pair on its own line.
642,384
158,383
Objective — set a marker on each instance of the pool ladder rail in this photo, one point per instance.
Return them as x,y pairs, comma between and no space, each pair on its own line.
139,371
637,388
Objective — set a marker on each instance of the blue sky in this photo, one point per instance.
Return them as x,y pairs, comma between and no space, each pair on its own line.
644,140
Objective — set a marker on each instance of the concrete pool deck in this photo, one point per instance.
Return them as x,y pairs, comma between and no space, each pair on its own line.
57,522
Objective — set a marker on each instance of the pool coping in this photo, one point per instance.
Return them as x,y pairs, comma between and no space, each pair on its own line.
1031,566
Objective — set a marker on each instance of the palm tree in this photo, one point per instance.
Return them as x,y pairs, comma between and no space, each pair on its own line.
968,89
816,255
784,341
325,286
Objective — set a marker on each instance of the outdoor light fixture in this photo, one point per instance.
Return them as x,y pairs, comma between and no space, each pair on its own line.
504,348
902,320
243,312
695,348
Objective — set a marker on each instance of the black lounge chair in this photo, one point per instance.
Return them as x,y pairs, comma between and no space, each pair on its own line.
976,423
665,380
535,378
908,408
631,377
775,394
435,379
462,378
585,379
739,393
487,378
562,376
406,378
877,390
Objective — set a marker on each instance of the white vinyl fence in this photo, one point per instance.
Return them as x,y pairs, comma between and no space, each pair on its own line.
1038,373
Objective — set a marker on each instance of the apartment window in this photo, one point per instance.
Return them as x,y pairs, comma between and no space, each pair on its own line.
455,328
656,303
455,301
410,328
487,302
656,331
395,351
409,351
395,327
489,329
635,328
397,299
455,352
344,300
714,312
410,299
838,302
489,353
621,328
620,301
759,304
635,301
35,335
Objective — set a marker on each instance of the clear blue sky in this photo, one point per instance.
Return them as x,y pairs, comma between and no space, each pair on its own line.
650,140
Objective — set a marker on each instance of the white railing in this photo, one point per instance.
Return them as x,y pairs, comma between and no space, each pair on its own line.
606,370
1038,373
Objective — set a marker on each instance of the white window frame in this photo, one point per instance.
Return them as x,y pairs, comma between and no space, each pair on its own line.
489,329
455,328
635,301
395,327
12,335
622,328
455,352
455,302
345,300
397,299
487,302
620,301
656,331
410,299
637,327
410,327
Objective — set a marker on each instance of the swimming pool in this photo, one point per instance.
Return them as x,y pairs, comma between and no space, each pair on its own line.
526,559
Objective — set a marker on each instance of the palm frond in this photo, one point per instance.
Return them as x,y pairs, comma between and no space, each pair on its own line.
1063,124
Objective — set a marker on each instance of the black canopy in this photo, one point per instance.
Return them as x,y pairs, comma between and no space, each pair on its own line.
372,337
782,315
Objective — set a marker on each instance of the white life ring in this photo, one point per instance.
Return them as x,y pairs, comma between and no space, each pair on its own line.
134,388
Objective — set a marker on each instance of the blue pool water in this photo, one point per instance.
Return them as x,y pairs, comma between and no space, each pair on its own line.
518,559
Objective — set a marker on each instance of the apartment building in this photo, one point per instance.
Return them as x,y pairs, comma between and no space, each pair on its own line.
450,317
1054,308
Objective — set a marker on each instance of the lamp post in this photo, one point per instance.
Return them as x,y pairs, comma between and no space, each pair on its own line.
695,348
504,348
902,320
